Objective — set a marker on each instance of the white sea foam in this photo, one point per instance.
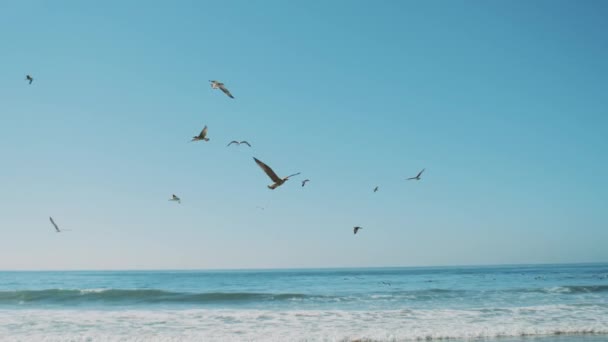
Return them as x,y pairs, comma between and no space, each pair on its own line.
300,325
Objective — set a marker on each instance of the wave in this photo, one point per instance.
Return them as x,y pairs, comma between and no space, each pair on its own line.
155,296
142,296
303,325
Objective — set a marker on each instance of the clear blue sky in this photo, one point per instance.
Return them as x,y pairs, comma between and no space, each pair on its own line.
503,102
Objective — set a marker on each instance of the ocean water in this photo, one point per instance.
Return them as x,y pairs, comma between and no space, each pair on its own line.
563,303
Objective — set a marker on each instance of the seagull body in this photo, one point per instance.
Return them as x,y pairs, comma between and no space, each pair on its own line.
417,176
29,78
238,143
356,229
305,181
175,199
270,173
219,85
376,189
201,136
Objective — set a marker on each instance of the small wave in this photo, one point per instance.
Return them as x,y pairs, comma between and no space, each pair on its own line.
148,296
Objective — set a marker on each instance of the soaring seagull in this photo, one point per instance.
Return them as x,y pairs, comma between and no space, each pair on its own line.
175,199
201,136
376,189
238,143
277,181
29,78
305,181
356,229
55,225
417,176
219,85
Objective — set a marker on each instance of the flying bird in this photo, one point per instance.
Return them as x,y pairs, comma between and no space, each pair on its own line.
385,283
29,78
56,227
238,143
305,181
220,86
417,176
201,136
356,229
376,189
175,199
277,181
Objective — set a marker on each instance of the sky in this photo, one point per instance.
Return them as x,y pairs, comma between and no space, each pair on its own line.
503,102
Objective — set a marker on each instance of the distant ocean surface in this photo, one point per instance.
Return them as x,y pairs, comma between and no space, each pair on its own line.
563,303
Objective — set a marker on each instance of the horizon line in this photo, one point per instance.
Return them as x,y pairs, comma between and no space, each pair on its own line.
302,268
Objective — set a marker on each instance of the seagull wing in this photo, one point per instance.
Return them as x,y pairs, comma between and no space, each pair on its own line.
295,174
420,173
267,170
245,142
232,142
225,90
203,132
54,224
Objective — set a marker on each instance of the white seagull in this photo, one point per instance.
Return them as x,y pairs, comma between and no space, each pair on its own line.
277,181
219,85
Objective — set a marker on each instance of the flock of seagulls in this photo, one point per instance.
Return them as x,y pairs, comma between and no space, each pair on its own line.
202,136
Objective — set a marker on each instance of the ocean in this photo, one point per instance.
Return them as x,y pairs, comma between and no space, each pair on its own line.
564,303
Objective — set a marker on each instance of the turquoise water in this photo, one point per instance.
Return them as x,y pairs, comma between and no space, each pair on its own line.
511,303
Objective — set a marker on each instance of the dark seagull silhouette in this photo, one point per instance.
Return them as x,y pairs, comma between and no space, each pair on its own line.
56,227
417,176
238,143
356,229
175,199
305,181
201,136
376,189
277,181
29,78
220,86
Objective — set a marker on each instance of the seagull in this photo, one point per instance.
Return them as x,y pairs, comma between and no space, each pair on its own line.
29,78
356,229
417,176
201,136
220,86
175,199
376,189
277,181
385,283
238,143
305,181
55,225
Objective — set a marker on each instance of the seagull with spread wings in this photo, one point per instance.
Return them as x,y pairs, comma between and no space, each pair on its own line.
376,189
175,199
29,78
305,181
219,85
201,136
417,176
238,143
277,181
356,229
